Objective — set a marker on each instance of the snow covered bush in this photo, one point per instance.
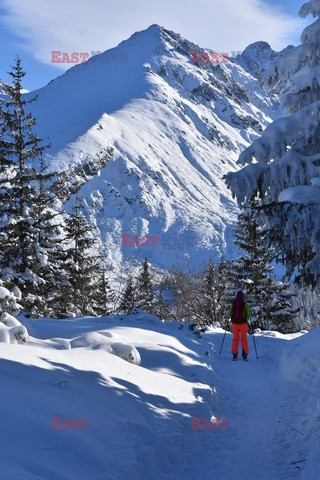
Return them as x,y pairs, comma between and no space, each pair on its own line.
102,341
9,320
11,330
282,168
126,352
92,340
9,300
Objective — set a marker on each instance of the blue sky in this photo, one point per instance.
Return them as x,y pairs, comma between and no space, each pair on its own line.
34,28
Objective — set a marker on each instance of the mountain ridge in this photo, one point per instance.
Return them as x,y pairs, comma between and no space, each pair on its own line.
175,129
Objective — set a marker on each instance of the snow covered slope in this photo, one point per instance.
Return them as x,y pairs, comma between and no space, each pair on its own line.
134,414
258,57
175,127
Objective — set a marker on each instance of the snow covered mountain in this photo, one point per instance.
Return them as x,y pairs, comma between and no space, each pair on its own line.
148,136
258,57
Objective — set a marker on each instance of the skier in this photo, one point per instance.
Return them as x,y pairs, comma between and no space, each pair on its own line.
239,313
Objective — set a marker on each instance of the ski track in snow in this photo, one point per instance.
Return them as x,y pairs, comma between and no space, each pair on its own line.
250,401
253,396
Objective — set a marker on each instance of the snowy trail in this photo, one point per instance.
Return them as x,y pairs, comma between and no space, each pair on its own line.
139,413
251,397
251,411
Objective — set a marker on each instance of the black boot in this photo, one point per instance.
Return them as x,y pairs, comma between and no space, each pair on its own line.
235,356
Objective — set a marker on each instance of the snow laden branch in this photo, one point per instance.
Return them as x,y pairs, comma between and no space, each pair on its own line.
293,229
271,180
310,8
311,33
305,89
299,67
296,131
287,65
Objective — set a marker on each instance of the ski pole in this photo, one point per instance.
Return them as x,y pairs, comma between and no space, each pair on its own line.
224,336
255,346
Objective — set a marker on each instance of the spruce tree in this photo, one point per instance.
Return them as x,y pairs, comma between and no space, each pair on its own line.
256,269
80,294
222,281
230,278
269,300
19,147
128,298
103,301
213,291
48,258
145,292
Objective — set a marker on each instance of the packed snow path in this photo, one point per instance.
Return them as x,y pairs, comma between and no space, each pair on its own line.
266,435
250,399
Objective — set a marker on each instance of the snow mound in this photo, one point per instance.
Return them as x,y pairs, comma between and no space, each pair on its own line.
300,368
101,341
61,343
91,340
11,330
52,343
126,352
9,320
106,334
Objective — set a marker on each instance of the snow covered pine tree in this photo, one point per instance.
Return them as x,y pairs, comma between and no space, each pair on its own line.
269,299
22,256
80,295
128,298
285,176
145,293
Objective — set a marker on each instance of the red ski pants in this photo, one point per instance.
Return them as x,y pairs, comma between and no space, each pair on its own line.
240,331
